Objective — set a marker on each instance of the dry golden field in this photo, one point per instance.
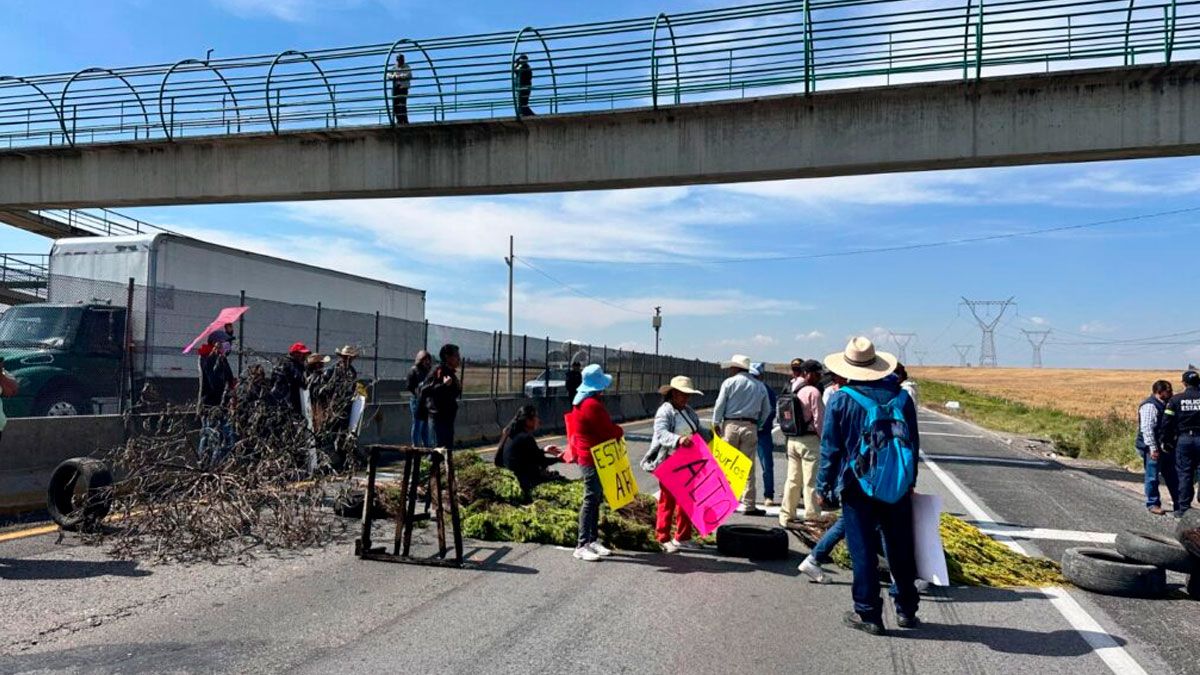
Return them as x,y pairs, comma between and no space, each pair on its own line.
1088,393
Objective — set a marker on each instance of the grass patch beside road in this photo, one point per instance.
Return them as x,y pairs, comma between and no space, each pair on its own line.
1108,438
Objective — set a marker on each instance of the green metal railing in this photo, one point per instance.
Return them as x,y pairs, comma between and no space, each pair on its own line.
797,46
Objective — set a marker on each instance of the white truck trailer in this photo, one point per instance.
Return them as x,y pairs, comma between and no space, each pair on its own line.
66,351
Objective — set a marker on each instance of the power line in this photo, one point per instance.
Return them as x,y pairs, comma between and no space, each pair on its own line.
574,290
884,249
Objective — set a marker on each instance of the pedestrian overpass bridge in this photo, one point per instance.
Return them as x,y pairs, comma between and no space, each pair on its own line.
791,89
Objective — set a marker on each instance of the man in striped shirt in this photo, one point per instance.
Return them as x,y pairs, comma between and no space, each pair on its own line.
1156,459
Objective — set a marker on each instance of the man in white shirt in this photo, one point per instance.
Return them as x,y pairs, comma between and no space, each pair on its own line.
742,409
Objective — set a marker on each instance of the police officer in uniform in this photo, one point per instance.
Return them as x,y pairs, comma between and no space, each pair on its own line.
1181,429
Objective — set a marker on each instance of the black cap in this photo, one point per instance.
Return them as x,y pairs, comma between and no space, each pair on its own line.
1191,378
811,366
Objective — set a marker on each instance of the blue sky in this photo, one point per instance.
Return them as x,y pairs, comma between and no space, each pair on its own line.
1092,287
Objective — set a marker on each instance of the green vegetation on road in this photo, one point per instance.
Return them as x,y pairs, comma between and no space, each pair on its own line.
1109,438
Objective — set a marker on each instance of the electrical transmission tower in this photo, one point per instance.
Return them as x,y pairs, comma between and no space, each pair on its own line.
921,354
981,310
1036,338
963,351
902,340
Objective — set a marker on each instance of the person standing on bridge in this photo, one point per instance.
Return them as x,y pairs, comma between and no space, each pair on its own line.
401,77
1156,460
741,410
523,81
1181,431
844,447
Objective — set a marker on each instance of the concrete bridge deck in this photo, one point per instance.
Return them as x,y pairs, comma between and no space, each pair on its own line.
1074,116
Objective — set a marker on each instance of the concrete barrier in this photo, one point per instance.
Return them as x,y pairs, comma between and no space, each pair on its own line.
31,447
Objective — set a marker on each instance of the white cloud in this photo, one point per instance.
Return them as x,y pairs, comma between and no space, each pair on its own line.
559,309
284,10
1037,320
810,335
758,340
1096,327
606,225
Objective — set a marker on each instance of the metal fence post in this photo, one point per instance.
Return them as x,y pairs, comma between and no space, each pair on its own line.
375,383
241,331
317,346
425,340
125,375
524,360
546,374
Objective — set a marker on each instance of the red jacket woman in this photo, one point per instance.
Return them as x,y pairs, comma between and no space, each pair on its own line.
588,425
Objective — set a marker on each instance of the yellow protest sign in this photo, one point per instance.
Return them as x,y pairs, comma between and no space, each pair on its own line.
616,476
735,465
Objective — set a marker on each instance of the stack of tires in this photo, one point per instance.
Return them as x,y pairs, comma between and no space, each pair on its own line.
1139,566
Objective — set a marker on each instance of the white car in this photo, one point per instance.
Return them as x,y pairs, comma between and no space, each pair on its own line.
555,380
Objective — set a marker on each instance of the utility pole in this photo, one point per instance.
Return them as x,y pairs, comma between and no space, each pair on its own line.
510,261
963,351
902,340
980,309
1036,338
656,321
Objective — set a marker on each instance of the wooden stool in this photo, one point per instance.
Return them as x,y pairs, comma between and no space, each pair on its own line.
437,494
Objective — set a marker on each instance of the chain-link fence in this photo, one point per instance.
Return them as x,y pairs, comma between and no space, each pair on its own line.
158,323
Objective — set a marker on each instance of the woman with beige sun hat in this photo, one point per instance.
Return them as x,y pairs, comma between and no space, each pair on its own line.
674,425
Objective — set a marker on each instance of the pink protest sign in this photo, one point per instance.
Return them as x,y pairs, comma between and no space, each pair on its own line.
697,482
227,315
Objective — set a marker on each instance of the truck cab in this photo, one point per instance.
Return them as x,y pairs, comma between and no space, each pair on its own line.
66,357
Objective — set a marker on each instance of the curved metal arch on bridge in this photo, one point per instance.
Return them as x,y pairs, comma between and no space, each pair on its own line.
1169,31
662,17
49,101
273,117
62,99
162,88
549,57
432,67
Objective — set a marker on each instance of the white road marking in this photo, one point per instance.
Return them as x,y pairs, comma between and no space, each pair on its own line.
989,460
1104,645
1017,532
939,433
944,424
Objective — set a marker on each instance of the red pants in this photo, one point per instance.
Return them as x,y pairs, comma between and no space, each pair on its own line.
669,510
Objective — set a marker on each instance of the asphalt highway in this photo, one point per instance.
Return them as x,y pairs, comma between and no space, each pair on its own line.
534,609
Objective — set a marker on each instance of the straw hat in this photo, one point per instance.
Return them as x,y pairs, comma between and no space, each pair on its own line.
314,359
681,383
738,361
348,350
861,362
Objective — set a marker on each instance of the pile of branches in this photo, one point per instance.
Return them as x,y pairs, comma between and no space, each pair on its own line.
227,482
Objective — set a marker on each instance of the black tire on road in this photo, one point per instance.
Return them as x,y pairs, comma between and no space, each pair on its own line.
1105,571
1188,531
752,541
351,506
1193,585
1155,549
80,493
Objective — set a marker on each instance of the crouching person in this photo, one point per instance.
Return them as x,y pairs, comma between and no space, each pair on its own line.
674,425
869,447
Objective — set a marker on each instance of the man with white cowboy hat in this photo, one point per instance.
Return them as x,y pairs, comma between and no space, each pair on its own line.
345,364
867,371
742,409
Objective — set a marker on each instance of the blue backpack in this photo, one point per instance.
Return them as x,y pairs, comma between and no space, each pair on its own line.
884,461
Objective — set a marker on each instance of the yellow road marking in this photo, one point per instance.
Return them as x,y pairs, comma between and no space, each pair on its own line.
28,532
